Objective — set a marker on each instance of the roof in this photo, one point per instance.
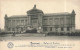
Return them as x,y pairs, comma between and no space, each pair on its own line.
34,10
48,14
14,16
52,14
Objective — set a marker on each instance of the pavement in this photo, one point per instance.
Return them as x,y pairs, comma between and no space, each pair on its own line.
41,38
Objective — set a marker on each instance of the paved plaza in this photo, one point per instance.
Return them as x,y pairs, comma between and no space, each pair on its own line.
41,38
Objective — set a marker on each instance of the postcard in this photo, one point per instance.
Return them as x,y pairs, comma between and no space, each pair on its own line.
39,25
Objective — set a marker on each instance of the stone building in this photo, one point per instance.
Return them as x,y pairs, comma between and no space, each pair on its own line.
36,19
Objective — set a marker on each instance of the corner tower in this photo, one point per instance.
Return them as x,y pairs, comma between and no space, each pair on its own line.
73,20
6,22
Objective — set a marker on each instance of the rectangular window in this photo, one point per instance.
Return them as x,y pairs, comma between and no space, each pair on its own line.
9,21
21,29
34,21
50,21
25,20
44,28
45,21
61,21
13,21
50,28
13,29
25,23
68,21
50,18
17,22
22,21
9,29
62,29
68,29
56,20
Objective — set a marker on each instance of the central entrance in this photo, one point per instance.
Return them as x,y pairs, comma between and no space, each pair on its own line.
35,23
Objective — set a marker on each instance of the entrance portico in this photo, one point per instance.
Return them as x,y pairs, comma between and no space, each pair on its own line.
35,19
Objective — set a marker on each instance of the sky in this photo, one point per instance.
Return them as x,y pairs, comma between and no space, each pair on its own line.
20,7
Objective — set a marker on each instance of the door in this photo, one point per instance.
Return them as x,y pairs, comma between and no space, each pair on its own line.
35,23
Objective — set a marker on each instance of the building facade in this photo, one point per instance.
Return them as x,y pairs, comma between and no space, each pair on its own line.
36,19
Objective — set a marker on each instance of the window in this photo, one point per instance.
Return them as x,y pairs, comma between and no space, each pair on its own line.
50,28
17,22
13,29
44,28
21,29
56,29
62,21
25,22
68,20
22,21
68,29
9,29
34,21
51,21
13,21
9,21
45,21
62,29
50,18
56,21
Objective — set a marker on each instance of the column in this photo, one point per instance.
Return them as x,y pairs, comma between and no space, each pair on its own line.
29,21
40,22
65,24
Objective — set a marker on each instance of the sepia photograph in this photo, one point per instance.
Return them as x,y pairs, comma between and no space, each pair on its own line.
40,20
37,23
